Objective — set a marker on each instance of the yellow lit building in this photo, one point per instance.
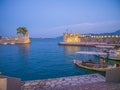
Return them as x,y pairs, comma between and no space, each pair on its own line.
70,37
77,37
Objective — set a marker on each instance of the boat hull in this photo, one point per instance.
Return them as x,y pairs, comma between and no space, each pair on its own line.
101,69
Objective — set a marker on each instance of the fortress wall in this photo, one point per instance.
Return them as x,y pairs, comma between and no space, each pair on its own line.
114,39
16,40
23,39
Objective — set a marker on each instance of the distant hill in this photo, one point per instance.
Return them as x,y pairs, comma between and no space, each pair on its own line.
60,37
112,33
116,32
41,38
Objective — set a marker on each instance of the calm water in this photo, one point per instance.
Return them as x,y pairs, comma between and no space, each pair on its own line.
42,59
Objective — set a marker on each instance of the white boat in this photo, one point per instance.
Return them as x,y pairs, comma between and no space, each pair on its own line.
105,46
116,55
12,43
115,58
5,43
91,52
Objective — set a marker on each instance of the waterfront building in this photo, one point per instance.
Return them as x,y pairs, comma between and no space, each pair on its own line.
72,37
77,37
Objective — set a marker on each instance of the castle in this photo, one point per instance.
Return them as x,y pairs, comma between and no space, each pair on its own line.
77,37
16,40
72,37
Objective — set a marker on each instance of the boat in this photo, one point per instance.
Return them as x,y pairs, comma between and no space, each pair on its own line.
93,66
12,43
5,43
105,46
92,53
115,58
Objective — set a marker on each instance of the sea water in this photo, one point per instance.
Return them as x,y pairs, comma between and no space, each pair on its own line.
42,59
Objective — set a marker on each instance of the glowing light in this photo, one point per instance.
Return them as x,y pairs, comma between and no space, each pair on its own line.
116,36
109,36
113,36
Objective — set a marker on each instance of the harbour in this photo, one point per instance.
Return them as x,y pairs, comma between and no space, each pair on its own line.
60,58
60,45
40,75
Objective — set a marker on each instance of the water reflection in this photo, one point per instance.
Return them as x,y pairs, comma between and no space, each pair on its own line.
71,49
24,50
114,62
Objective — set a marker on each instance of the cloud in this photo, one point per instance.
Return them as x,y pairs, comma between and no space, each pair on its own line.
99,27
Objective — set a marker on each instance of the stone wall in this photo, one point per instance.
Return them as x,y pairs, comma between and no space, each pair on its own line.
113,75
16,40
23,39
76,37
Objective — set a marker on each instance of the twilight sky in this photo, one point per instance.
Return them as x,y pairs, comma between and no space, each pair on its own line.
50,18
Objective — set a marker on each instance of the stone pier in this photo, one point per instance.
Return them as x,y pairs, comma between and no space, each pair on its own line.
84,82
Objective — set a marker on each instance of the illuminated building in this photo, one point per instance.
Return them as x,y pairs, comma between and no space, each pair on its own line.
69,37
77,37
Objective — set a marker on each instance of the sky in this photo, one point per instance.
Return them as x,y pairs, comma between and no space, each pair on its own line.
51,18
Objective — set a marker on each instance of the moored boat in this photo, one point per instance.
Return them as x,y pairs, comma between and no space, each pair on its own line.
5,43
12,43
115,58
93,66
105,46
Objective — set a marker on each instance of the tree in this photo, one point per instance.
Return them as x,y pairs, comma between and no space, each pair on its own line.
22,30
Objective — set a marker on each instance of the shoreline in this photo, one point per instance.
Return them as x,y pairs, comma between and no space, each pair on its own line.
62,82
82,82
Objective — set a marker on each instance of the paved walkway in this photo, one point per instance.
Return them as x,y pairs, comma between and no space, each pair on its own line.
85,82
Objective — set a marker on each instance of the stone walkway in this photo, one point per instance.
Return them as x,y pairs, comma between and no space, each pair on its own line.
85,82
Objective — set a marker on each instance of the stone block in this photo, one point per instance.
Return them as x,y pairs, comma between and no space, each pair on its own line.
10,83
3,84
113,75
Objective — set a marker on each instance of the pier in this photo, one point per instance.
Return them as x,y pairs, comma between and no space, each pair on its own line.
81,43
84,82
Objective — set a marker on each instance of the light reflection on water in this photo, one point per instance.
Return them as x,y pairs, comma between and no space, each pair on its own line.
71,49
24,50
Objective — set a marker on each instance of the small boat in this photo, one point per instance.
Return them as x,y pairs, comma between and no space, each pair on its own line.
115,58
12,43
5,43
92,53
93,66
105,46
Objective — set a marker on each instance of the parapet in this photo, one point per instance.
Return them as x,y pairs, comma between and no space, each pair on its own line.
113,75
